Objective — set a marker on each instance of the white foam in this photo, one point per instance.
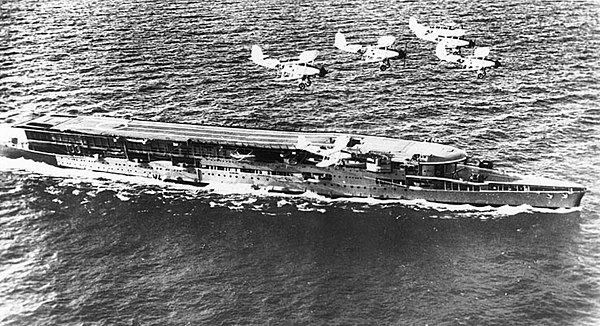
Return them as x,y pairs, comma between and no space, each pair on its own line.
122,197
120,183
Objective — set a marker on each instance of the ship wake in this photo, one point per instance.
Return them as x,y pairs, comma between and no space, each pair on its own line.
239,197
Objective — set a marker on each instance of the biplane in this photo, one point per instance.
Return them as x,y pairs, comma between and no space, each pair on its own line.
301,68
478,61
382,52
330,156
453,37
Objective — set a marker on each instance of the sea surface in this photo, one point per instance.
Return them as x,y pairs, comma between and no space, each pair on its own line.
79,248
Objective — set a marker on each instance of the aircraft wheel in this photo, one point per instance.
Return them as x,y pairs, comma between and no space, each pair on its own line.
480,75
308,82
383,67
302,86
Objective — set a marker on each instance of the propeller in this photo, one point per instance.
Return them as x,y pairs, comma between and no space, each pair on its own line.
402,53
323,71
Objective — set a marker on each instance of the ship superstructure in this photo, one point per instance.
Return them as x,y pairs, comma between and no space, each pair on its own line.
330,164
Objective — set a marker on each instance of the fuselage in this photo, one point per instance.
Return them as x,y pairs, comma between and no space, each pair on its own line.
374,54
477,64
292,71
432,31
453,42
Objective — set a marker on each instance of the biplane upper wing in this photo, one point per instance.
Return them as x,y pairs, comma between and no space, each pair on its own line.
481,52
386,41
308,56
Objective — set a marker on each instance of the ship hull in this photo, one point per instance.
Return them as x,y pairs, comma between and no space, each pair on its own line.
340,184
15,152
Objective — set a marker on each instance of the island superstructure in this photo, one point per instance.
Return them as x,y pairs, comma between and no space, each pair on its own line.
326,163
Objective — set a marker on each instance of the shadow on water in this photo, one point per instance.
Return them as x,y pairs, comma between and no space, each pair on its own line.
169,258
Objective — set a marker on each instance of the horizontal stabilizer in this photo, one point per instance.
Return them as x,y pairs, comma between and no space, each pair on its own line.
268,63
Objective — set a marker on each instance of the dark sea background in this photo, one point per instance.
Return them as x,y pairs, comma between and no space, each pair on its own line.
79,248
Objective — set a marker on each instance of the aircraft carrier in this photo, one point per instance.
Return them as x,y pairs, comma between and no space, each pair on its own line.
326,163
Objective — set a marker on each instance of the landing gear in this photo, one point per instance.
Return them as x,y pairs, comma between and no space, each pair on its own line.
481,74
385,65
304,83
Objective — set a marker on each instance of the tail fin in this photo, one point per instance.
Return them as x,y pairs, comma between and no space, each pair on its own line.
340,41
440,52
341,142
260,59
412,23
342,44
417,28
256,54
302,142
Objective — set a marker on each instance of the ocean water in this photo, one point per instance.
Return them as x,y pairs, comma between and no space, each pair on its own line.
80,248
